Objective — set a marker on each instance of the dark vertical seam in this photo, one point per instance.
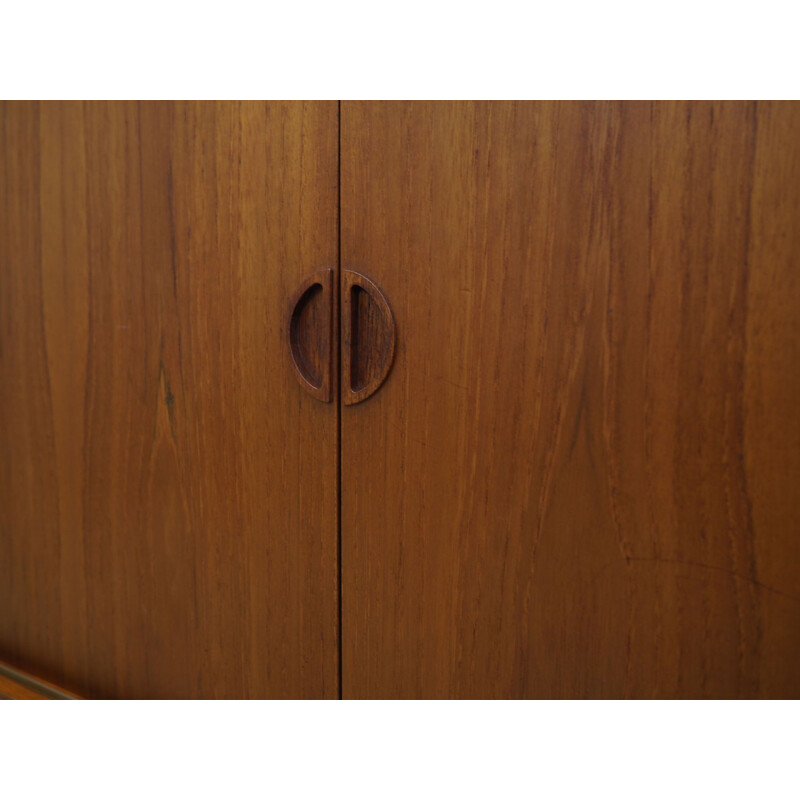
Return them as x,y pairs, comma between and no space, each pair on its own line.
335,338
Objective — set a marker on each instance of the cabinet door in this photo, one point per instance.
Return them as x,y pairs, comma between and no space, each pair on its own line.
168,492
581,477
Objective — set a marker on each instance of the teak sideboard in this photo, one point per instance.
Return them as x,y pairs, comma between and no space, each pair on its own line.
401,400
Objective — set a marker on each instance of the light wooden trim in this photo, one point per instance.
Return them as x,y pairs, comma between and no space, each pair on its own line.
16,685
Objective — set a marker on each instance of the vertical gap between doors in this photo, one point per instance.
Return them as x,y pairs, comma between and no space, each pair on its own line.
339,393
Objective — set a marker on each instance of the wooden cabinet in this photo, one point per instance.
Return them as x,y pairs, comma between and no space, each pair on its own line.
563,455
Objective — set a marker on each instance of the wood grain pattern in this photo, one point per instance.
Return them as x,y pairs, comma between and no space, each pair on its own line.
581,478
168,493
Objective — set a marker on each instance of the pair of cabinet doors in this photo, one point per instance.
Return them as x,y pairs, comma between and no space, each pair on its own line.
581,477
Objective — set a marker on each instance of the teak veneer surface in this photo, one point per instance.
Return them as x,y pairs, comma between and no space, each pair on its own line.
168,492
582,476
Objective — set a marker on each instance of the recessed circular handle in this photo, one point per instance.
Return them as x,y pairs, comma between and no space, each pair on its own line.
368,337
310,334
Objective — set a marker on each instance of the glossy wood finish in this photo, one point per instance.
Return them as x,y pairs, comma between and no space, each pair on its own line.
168,492
581,477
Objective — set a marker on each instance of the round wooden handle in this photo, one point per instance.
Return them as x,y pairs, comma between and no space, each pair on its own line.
310,334
368,337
